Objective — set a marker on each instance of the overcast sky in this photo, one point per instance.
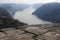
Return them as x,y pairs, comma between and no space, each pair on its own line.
28,1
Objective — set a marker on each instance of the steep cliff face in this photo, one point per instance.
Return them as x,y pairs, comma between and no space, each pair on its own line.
49,12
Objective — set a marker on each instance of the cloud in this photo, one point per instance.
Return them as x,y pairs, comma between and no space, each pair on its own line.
28,1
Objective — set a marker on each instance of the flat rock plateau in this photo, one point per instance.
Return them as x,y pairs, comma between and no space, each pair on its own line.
32,32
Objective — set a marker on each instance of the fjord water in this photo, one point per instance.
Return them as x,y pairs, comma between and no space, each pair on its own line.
27,17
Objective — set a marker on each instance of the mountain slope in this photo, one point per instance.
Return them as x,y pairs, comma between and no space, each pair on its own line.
49,12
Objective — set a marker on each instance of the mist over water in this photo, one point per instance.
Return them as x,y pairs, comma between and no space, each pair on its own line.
27,17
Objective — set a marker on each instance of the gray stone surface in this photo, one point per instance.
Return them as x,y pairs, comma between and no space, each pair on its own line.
32,32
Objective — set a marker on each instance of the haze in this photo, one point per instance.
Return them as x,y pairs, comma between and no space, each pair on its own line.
28,1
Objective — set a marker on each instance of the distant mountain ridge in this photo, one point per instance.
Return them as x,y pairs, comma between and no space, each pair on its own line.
37,5
11,7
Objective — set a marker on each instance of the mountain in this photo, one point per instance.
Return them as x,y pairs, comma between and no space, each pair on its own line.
49,12
37,5
21,7
9,7
4,13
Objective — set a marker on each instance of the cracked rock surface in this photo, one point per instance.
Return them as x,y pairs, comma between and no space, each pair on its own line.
11,29
32,32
